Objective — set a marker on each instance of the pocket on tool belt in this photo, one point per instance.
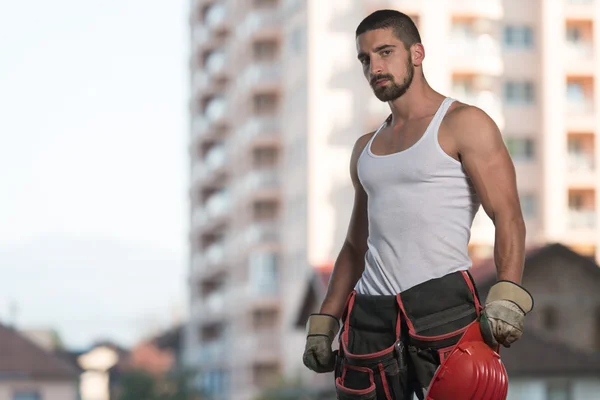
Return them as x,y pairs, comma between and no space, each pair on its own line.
442,335
390,380
355,383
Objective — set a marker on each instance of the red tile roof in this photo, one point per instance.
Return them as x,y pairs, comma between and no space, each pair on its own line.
21,358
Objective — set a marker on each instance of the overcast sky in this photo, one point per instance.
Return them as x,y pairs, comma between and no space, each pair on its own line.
93,165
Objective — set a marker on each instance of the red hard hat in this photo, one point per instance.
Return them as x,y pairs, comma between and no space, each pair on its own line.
472,371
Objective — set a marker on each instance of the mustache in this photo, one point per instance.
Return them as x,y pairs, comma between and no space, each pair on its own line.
379,77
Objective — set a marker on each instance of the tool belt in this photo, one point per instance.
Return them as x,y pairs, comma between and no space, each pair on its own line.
382,335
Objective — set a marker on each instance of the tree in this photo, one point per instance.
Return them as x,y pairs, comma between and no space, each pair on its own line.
139,384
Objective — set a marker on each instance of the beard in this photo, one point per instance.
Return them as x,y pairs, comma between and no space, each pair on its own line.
392,91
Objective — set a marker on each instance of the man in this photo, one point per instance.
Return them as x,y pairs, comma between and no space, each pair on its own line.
400,284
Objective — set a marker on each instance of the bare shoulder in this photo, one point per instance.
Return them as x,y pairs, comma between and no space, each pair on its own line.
461,115
471,125
359,146
361,142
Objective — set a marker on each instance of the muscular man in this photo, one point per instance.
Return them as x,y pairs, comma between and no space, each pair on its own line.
401,278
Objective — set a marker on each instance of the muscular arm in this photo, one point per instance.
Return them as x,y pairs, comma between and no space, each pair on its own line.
487,162
350,264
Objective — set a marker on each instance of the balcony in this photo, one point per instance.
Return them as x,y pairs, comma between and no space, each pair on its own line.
475,54
215,159
211,171
581,171
214,352
491,9
215,211
268,343
263,128
579,9
585,220
261,75
200,127
200,81
216,64
200,35
259,183
262,233
579,58
216,18
580,115
216,112
263,21
212,257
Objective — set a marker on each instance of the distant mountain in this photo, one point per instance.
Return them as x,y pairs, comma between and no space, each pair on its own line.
91,288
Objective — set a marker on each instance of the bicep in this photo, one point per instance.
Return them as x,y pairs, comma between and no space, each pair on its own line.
488,164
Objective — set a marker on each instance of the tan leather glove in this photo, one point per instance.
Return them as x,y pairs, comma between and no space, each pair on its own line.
321,329
503,316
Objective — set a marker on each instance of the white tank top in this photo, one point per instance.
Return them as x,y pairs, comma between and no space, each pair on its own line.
421,206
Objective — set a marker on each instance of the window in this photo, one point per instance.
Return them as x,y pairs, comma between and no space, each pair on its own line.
265,209
520,149
264,157
573,34
519,37
26,396
265,374
576,201
574,146
263,272
264,50
518,92
559,390
575,93
264,319
528,205
265,103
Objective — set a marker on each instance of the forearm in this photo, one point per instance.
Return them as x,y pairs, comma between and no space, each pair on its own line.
509,248
347,270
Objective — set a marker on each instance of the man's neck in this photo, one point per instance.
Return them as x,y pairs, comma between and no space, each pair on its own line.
417,102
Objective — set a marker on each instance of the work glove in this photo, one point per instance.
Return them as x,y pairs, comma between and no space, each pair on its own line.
503,316
321,329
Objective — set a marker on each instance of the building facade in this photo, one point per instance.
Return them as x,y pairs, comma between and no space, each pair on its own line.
278,100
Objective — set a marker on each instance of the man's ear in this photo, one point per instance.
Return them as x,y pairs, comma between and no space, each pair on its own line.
417,52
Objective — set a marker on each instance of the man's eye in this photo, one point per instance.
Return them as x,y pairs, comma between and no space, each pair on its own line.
386,52
365,61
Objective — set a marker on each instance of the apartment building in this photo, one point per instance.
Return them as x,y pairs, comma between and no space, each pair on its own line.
278,100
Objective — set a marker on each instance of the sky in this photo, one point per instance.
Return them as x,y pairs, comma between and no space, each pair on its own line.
93,166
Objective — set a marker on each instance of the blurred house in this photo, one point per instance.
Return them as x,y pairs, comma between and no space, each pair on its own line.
102,365
29,372
158,355
558,357
277,102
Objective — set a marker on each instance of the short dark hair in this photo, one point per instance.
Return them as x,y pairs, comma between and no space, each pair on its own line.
403,26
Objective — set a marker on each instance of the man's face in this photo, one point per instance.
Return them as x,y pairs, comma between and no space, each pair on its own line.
387,64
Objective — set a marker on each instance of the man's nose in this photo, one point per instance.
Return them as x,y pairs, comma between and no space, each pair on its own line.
376,68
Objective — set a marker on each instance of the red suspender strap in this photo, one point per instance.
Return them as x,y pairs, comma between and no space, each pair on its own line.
349,306
408,321
478,306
